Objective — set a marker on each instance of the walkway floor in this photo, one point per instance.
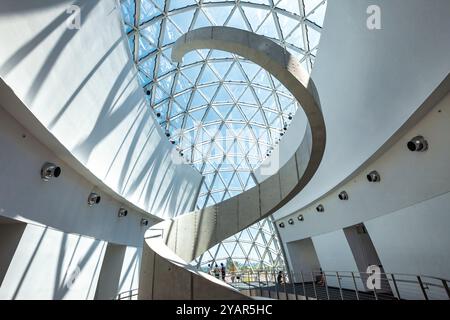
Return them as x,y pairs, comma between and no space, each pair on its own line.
317,292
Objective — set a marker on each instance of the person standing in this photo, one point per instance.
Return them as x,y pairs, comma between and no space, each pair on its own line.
217,272
223,271
209,269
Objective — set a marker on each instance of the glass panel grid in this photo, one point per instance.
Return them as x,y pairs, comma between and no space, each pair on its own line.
223,113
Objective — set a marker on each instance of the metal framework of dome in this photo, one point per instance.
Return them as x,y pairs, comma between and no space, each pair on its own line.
223,113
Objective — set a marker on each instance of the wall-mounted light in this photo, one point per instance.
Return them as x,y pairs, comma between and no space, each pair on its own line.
418,144
281,225
343,195
122,212
374,176
144,222
50,170
94,199
320,208
291,221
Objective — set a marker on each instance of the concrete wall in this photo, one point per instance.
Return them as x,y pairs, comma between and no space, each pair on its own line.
108,281
129,275
335,254
303,259
49,264
82,86
371,81
415,240
10,234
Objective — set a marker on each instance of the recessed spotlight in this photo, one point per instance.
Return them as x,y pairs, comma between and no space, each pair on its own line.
374,176
50,170
418,144
158,114
93,199
147,92
291,221
301,218
281,225
144,222
343,195
122,212
320,208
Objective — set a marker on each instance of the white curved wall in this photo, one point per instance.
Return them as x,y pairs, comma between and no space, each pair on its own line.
82,85
62,234
406,214
371,81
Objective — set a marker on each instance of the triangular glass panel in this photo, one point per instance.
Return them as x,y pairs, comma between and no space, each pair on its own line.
192,73
183,20
207,76
236,20
182,83
218,16
181,4
183,99
165,65
235,74
221,68
236,89
148,11
235,115
201,20
248,111
198,100
171,33
268,28
208,92
255,16
248,97
238,253
251,69
222,96
191,57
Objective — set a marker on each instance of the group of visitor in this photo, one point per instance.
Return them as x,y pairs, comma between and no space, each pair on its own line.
217,272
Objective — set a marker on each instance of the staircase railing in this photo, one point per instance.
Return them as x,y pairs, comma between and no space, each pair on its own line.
340,285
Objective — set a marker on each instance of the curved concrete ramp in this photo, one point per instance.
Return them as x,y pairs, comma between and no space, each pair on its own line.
170,244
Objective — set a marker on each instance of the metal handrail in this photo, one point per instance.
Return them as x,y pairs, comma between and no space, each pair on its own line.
396,286
261,282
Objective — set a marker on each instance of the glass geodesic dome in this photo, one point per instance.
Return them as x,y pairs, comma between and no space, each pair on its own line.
223,113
